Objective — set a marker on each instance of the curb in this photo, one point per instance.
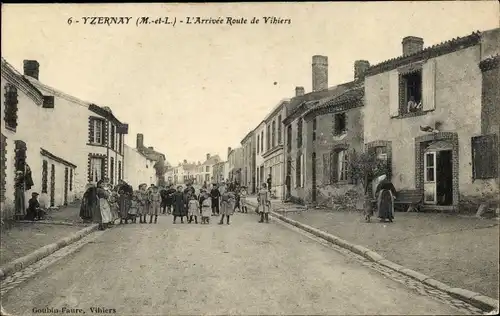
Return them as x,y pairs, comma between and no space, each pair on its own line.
478,300
23,262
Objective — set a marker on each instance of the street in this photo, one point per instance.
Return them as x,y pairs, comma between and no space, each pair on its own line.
242,268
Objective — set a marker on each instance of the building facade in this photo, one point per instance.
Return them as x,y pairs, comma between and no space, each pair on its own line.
235,164
334,135
259,151
58,138
434,111
248,171
273,149
138,168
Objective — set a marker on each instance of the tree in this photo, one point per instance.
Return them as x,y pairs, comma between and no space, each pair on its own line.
365,166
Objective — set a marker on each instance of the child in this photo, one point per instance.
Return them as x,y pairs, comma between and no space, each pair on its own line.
264,203
193,209
154,204
237,201
243,200
133,210
142,205
206,208
227,206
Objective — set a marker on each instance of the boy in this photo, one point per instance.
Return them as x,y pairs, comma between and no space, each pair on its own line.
154,204
206,208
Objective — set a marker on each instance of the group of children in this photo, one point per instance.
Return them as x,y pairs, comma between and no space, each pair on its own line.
143,202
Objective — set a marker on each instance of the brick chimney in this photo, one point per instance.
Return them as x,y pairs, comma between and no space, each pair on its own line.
360,67
140,141
31,68
319,73
208,156
299,91
412,44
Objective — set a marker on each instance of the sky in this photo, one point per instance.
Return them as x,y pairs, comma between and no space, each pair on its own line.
198,89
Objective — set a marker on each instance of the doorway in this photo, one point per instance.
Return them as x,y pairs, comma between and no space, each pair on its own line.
66,184
288,178
438,174
52,185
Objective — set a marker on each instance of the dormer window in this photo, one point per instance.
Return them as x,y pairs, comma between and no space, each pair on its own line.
10,106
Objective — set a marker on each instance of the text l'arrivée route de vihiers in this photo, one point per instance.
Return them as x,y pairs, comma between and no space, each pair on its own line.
190,20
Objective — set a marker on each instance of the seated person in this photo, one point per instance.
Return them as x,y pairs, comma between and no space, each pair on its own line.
34,211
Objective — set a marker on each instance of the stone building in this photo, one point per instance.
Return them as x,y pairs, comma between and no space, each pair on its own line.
435,112
296,147
273,154
334,134
249,153
207,166
235,164
65,141
259,151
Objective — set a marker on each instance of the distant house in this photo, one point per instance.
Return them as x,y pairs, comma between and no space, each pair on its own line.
235,164
207,168
260,140
140,163
435,113
249,168
160,165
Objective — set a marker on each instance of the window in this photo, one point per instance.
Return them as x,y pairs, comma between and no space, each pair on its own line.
340,124
96,169
268,137
262,141
411,92
485,156
10,106
71,179
258,143
96,132
314,129
289,138
299,133
45,174
207,169
113,134
120,170
279,129
326,169
120,143
112,171
430,167
273,135
342,164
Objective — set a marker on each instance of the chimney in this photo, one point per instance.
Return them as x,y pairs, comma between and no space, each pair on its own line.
208,156
228,151
185,161
151,147
412,44
319,73
299,91
140,141
31,68
360,67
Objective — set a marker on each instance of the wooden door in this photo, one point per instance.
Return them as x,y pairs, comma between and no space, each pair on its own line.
430,196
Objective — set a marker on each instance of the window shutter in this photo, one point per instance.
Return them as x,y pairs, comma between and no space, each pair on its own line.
394,93
91,130
428,85
334,177
484,157
326,169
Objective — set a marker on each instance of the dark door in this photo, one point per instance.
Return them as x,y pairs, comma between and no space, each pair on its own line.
314,177
444,177
288,178
52,185
66,184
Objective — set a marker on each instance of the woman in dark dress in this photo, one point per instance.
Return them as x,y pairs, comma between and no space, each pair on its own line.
179,205
89,204
385,193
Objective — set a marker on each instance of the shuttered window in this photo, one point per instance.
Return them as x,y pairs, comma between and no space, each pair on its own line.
326,169
333,170
485,156
298,170
279,130
71,179
45,174
299,133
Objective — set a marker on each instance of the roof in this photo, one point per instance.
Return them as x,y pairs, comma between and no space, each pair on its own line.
212,160
352,96
15,77
276,109
299,105
150,154
442,48
250,134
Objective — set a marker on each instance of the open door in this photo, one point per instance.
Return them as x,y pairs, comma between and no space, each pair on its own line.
430,178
